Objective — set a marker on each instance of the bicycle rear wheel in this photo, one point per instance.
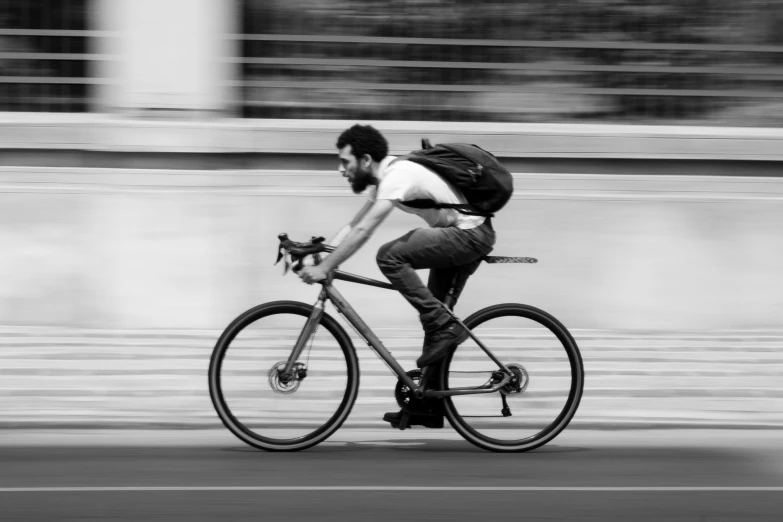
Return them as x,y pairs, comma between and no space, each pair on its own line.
245,379
546,359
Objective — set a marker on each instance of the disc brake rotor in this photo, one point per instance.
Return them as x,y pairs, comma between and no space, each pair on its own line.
523,379
285,388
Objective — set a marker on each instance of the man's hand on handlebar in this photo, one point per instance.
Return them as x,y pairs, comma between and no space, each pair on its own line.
301,256
312,274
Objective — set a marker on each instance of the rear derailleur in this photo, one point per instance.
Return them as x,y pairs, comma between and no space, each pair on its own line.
517,384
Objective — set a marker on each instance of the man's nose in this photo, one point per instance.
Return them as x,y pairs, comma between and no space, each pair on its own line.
341,170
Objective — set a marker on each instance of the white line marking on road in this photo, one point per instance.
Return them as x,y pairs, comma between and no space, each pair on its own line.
610,489
383,443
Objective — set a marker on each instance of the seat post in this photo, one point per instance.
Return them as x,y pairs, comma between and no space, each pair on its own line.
459,278
449,301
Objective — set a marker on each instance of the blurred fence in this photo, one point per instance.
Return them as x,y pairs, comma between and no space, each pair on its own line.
695,61
46,56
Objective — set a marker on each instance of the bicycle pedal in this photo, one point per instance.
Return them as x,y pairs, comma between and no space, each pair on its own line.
405,420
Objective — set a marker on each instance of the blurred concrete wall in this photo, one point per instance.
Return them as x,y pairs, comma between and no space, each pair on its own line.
193,134
172,248
142,249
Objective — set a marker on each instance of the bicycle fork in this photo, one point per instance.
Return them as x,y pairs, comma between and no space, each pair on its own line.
305,335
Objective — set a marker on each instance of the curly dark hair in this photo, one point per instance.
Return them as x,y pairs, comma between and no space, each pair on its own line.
364,139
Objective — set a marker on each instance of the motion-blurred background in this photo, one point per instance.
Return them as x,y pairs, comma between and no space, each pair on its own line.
152,150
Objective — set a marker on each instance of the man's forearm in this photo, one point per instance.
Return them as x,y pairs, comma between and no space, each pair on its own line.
357,237
341,235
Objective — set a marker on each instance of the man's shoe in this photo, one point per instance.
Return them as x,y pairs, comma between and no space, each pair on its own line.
441,341
403,420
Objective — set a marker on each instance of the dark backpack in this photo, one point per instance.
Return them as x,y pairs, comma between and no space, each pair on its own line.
485,183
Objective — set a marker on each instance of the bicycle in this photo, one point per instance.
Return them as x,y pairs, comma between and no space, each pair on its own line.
264,350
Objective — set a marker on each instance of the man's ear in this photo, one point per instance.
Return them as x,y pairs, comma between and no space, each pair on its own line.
366,160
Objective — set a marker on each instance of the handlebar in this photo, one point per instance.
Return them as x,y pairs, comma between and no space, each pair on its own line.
299,250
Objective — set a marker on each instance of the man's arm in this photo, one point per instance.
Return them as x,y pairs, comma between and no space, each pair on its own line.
357,237
343,233
359,234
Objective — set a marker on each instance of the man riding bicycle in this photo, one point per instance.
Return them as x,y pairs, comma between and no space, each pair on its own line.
453,243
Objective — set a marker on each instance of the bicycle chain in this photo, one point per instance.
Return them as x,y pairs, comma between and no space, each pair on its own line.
478,416
456,371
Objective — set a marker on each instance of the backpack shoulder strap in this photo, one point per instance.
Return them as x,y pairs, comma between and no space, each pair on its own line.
466,209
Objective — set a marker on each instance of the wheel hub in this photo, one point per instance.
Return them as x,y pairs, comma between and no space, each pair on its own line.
519,382
286,384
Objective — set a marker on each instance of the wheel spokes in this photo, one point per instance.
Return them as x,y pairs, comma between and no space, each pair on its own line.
521,411
270,405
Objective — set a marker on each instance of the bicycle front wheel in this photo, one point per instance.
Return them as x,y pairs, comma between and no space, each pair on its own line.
269,411
545,359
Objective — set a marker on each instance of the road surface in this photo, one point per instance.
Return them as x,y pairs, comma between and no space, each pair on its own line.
205,475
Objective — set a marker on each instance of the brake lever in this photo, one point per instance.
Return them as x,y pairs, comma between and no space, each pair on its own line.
291,262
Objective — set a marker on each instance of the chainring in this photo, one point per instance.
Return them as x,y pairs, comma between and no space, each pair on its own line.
408,401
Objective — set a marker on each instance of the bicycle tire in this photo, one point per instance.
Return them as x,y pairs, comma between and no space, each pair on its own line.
242,431
570,405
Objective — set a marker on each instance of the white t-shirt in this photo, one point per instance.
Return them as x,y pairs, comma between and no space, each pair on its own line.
405,181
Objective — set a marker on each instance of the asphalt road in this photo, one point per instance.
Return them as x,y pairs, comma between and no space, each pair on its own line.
672,475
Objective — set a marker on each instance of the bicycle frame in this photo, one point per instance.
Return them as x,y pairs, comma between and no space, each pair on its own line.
346,310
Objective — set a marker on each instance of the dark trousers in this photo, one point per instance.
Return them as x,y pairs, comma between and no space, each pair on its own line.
446,252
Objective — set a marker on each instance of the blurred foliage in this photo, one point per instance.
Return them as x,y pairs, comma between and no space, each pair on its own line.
581,81
670,21
554,90
45,15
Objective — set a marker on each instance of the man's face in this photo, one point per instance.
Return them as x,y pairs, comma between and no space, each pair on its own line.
357,171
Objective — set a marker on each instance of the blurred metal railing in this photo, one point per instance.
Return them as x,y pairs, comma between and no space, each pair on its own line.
351,76
46,63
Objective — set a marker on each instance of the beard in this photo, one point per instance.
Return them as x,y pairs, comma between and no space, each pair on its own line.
361,180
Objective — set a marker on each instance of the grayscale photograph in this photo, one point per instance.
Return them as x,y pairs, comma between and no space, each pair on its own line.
353,260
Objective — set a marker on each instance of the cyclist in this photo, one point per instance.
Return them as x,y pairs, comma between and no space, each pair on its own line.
454,242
